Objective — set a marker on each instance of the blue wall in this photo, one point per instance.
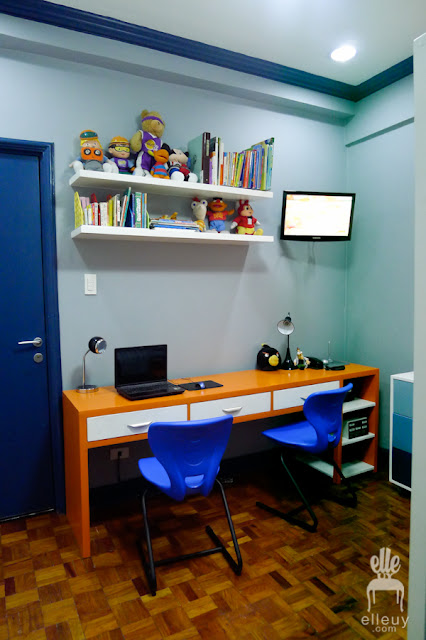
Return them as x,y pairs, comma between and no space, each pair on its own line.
214,306
380,169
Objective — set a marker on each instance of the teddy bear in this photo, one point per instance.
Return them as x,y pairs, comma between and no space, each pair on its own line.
147,142
91,154
245,221
178,166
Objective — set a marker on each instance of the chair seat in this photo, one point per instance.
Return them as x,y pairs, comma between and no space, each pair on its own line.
153,471
300,435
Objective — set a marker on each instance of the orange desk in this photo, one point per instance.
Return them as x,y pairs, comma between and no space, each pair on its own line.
105,418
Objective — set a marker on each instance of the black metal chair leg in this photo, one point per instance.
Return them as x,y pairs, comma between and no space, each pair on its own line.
350,502
289,516
235,566
149,567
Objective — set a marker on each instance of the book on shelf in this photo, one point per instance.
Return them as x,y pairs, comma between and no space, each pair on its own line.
78,211
198,151
126,210
248,169
213,156
170,223
125,206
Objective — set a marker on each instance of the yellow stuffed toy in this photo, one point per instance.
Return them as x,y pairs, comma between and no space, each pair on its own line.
147,142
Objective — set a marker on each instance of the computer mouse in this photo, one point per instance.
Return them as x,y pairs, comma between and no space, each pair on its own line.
200,385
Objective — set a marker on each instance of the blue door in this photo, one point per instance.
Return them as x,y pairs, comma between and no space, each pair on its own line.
27,475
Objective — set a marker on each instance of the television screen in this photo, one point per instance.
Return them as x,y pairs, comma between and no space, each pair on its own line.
309,215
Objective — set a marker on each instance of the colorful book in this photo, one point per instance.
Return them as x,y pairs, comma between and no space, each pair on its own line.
267,147
213,155
125,206
78,211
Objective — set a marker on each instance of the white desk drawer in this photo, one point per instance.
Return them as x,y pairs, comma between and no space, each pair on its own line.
236,406
288,398
116,425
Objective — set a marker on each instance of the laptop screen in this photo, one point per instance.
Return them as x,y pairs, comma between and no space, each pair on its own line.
136,365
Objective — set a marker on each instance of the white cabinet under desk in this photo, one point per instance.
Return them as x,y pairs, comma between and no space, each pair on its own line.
116,425
235,406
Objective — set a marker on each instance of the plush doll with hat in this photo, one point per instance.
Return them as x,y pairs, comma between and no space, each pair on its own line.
119,155
91,154
147,142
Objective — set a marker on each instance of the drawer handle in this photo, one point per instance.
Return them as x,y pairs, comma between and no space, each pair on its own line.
139,425
232,410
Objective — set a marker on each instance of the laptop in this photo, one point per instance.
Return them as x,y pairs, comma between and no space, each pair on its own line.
141,372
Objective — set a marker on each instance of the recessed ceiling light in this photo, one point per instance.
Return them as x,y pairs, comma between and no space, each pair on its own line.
343,54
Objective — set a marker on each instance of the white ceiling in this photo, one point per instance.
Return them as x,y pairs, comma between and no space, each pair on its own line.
294,33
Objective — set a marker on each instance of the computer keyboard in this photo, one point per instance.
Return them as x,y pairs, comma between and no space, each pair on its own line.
149,390
136,390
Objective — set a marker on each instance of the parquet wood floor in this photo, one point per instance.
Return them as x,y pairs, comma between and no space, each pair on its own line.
294,584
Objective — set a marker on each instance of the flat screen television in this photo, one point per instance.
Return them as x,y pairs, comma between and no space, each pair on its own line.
312,215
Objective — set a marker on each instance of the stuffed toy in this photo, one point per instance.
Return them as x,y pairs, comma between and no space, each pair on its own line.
199,209
217,213
245,221
300,362
147,141
178,166
119,156
91,154
159,168
268,359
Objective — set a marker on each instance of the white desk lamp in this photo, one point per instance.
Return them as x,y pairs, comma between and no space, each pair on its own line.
286,327
96,345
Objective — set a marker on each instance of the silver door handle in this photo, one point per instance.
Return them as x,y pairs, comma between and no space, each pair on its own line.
37,342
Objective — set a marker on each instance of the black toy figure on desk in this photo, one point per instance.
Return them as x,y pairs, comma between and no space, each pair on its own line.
268,359
286,327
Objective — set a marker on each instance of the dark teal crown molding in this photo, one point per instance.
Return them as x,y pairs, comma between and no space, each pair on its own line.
93,24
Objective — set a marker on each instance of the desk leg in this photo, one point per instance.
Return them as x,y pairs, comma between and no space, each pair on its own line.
77,477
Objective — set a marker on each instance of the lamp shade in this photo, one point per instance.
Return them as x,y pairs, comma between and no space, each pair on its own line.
96,345
286,327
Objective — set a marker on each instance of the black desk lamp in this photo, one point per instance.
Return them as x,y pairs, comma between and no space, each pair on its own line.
286,327
96,345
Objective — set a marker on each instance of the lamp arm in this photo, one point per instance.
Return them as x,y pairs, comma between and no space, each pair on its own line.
84,367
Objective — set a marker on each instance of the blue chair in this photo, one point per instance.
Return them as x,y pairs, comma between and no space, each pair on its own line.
319,434
186,461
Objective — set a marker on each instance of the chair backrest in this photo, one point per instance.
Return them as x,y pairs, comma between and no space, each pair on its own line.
323,410
190,452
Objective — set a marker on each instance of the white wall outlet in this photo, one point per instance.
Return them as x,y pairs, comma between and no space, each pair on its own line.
90,288
119,452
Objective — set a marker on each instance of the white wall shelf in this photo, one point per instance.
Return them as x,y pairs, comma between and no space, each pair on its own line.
92,232
101,180
356,404
349,469
346,441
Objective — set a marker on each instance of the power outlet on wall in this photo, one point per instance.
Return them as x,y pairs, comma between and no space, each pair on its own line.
119,452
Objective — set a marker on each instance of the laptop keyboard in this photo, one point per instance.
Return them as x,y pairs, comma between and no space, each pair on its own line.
150,390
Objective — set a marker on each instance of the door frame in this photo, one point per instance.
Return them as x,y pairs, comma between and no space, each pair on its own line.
44,151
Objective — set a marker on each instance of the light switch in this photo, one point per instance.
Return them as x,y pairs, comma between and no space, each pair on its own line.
90,284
